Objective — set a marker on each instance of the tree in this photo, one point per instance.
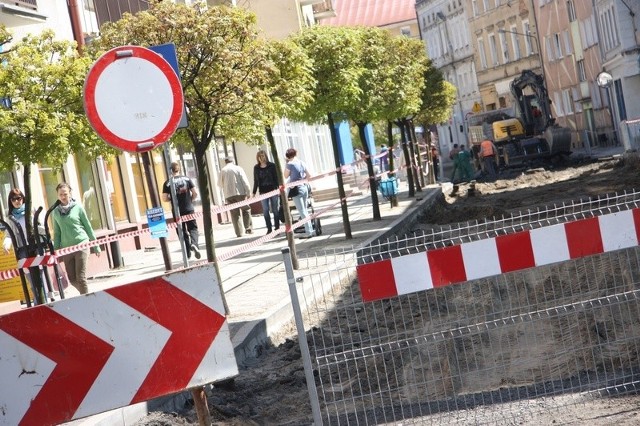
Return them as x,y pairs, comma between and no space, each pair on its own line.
42,82
407,63
388,86
223,68
287,92
334,53
437,99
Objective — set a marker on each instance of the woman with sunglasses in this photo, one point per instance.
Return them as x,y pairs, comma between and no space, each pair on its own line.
17,221
71,227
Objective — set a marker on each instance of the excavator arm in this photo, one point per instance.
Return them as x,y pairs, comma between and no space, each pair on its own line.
535,82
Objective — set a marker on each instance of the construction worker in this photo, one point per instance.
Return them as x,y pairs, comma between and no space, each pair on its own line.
452,156
463,164
489,157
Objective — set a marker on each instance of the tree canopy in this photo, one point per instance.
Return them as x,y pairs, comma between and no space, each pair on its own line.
42,117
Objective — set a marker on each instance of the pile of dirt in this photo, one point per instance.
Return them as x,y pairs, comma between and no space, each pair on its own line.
271,389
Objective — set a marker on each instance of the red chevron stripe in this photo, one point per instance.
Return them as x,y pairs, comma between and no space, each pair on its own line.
79,358
191,335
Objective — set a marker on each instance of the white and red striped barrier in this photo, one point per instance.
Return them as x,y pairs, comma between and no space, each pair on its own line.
43,260
499,255
113,348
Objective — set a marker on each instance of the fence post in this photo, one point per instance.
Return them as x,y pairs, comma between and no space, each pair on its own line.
302,338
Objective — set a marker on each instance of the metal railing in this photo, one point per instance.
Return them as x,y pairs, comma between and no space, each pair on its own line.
513,348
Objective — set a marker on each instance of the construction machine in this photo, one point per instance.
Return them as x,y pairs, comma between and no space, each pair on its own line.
525,132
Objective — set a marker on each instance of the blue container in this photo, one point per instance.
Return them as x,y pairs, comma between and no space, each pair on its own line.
389,187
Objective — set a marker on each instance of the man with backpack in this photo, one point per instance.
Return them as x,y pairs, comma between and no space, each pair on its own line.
186,193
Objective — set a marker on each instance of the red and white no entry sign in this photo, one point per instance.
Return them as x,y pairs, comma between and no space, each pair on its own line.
133,98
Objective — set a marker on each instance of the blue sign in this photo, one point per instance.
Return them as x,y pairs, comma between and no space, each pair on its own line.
168,52
157,223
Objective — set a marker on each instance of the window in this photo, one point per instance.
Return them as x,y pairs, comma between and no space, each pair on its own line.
568,46
474,7
483,55
557,44
505,47
557,104
485,4
582,74
571,10
527,39
494,50
515,43
405,31
547,44
567,101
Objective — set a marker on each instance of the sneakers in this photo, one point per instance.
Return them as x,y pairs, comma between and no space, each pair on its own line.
249,231
195,251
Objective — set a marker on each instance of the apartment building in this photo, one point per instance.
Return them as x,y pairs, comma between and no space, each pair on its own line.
445,30
618,30
571,52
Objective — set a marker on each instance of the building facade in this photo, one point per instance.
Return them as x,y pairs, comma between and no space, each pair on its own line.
618,26
445,30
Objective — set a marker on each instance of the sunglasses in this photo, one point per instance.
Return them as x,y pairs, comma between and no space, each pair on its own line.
16,198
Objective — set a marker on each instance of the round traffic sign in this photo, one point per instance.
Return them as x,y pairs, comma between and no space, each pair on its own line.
133,98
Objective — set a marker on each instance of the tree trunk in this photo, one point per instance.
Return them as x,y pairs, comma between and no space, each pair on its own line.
343,197
284,200
407,158
417,170
392,167
373,187
414,138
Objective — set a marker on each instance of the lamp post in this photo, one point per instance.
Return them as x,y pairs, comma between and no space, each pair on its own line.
535,39
443,18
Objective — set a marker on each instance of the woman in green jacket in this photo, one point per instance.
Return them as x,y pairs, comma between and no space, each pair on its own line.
71,227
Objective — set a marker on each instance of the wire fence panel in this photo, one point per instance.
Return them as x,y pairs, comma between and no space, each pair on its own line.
537,345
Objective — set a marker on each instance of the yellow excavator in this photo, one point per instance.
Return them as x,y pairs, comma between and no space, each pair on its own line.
523,133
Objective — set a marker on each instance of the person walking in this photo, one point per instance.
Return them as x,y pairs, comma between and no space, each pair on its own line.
71,227
235,185
265,179
489,156
296,170
186,194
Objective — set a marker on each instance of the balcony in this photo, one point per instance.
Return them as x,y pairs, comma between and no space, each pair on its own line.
323,10
14,13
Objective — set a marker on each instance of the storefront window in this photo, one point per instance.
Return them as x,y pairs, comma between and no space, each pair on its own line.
91,198
49,179
116,191
139,179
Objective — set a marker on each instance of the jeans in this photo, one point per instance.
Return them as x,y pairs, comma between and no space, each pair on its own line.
190,234
300,201
274,202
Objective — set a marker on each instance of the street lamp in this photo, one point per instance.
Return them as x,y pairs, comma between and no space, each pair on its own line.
502,30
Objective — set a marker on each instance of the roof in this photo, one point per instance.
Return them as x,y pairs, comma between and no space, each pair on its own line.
371,13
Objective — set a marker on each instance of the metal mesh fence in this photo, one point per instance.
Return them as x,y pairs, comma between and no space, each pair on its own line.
552,344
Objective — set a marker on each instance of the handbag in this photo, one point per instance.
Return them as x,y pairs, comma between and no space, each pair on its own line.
293,191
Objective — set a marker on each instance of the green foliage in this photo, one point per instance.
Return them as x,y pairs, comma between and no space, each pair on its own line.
43,79
438,97
336,67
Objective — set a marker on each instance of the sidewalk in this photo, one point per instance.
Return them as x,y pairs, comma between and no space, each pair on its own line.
254,281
